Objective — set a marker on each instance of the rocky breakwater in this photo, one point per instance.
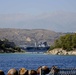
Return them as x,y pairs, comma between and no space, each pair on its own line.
42,70
60,51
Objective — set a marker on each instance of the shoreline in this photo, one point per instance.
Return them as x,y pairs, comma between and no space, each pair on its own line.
60,51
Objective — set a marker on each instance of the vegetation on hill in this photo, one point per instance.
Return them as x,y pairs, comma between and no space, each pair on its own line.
66,42
8,47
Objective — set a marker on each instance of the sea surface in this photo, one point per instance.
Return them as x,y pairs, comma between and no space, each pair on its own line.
33,61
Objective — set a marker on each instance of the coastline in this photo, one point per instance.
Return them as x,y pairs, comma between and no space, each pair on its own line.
60,51
13,51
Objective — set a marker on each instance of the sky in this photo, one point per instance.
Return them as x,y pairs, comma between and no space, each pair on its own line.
56,15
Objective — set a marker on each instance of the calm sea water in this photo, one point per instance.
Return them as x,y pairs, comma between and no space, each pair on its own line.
33,61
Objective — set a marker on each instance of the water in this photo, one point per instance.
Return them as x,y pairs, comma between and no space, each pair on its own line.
33,61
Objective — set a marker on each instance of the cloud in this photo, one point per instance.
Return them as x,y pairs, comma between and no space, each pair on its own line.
57,21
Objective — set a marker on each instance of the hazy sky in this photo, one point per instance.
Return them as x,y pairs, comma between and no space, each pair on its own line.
56,15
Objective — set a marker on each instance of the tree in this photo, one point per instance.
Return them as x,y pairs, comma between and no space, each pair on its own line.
67,42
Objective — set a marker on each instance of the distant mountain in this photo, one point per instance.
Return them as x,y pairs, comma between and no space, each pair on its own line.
59,21
29,36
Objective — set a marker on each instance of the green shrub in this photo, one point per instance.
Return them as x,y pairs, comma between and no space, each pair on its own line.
66,42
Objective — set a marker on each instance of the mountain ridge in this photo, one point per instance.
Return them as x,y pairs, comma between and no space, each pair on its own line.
29,36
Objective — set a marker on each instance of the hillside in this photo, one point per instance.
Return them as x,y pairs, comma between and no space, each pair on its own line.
64,45
9,47
29,36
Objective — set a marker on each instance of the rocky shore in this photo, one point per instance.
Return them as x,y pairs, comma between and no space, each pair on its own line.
42,70
11,51
60,51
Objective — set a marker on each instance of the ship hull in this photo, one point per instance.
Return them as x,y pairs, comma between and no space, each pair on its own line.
37,49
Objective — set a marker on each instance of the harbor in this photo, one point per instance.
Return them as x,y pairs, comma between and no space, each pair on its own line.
36,48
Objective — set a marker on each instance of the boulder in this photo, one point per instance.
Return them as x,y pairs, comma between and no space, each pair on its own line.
32,72
23,71
1,72
45,69
12,72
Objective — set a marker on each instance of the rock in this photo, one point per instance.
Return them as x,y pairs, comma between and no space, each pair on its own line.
44,68
60,51
23,71
1,72
32,72
57,51
38,70
12,72
54,70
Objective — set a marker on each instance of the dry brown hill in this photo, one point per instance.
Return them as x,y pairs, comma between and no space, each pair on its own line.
29,36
